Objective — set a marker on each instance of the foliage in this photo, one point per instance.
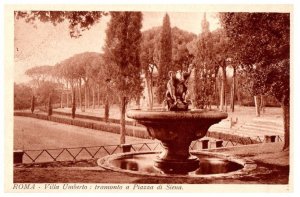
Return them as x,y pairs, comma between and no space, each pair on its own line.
181,56
122,50
150,50
260,42
46,88
204,69
22,96
150,47
261,37
122,55
211,52
165,58
39,73
78,20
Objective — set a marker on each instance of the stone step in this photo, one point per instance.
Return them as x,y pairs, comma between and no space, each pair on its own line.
261,125
222,129
269,120
249,129
256,133
245,132
267,123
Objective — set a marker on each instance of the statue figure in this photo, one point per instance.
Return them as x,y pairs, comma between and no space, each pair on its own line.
177,90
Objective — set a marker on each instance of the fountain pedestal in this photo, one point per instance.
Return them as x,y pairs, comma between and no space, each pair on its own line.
176,131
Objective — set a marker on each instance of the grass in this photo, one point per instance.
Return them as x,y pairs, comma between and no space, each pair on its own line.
30,133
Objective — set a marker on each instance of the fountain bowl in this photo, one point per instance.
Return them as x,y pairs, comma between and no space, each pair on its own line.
176,130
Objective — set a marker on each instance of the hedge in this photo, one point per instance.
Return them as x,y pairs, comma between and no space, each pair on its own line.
135,131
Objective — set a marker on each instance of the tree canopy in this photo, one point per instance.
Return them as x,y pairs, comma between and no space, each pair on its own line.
165,58
261,45
78,20
122,54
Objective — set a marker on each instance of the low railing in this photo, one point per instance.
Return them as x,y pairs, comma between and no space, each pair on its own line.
91,152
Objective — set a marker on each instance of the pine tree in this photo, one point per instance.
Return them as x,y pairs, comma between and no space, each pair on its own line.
165,61
121,53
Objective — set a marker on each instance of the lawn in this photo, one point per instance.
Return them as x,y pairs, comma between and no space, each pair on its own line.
30,133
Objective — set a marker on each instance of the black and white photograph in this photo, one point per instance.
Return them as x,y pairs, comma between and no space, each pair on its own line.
149,98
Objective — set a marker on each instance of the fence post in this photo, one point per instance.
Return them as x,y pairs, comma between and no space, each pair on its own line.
273,137
270,138
126,147
204,144
18,156
219,143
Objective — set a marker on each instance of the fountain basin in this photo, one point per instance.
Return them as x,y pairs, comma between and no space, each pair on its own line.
176,131
211,165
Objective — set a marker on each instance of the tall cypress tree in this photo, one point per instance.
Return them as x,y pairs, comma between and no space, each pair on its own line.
165,61
121,53
204,67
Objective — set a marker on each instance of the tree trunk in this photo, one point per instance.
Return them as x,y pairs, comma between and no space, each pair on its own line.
262,104
32,104
122,120
233,91
238,91
50,105
257,106
149,92
79,95
217,91
85,96
93,97
98,97
223,88
225,100
138,102
61,99
286,123
106,107
73,104
76,97
67,95
72,96
88,97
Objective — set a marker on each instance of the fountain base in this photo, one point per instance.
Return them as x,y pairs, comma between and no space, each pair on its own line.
177,166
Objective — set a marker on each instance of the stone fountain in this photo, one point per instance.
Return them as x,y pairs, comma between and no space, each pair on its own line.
177,126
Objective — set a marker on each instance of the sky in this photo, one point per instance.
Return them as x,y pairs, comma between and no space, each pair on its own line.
45,44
